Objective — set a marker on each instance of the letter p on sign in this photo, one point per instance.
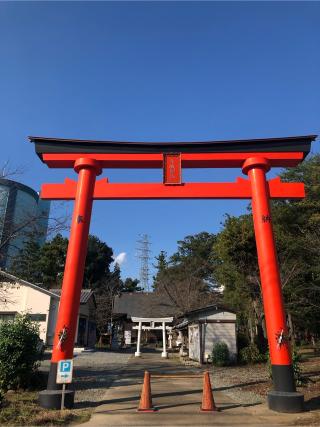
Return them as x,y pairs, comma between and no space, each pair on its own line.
66,366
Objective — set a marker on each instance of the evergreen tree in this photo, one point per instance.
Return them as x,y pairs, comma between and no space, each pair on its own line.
131,285
197,252
160,266
52,261
98,261
26,264
46,265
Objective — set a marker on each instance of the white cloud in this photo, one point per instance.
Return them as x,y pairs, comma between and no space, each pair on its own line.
120,258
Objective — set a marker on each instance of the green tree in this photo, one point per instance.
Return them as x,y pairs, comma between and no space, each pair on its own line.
131,285
45,265
26,264
236,271
197,246
160,266
52,261
98,261
196,251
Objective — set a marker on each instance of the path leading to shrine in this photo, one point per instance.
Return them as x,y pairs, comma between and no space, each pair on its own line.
177,400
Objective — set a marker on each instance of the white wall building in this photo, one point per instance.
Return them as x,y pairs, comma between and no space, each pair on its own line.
20,296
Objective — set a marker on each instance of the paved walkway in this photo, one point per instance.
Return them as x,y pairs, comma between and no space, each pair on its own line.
177,400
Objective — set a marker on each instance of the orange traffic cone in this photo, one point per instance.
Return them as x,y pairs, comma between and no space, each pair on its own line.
145,404
208,404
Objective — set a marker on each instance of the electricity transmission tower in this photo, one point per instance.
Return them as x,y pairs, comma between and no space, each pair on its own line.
143,253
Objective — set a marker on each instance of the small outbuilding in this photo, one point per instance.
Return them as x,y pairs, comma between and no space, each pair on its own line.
200,329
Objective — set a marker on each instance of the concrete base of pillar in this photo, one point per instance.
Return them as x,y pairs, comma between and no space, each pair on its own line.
137,354
283,401
51,399
164,354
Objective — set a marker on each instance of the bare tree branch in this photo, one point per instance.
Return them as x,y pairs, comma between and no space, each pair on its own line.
8,171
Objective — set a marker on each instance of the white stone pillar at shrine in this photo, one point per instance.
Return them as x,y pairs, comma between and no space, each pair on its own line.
170,336
164,352
138,353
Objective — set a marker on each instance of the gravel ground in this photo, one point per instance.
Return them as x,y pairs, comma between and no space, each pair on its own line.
250,384
93,373
240,383
236,381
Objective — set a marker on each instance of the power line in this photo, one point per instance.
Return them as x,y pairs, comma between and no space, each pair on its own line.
143,253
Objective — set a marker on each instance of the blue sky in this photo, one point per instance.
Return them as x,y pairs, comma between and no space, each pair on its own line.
162,71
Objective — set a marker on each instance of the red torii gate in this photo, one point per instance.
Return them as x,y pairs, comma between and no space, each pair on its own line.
255,157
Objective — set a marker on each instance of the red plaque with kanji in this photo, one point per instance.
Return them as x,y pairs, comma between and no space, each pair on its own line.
172,168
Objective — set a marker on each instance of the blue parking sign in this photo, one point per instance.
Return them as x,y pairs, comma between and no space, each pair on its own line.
64,372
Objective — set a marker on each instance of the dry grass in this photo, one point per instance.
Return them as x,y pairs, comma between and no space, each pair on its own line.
21,409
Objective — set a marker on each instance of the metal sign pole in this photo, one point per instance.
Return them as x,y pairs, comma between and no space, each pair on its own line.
62,397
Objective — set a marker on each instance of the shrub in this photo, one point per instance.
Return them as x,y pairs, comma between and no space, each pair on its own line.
19,352
242,341
251,354
297,372
220,354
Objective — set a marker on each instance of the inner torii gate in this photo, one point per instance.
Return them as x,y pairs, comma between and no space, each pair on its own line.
153,321
255,157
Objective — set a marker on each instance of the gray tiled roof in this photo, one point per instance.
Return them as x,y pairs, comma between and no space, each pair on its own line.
211,307
144,304
84,298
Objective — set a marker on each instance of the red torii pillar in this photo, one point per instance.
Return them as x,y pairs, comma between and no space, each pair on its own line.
66,326
284,397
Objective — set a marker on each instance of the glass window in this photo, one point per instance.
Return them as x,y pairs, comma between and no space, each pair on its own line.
38,317
4,317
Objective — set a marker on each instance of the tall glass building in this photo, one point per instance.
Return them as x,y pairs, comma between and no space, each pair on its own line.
23,215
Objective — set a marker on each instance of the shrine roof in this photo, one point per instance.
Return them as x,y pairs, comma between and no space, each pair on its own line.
143,304
214,307
44,145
